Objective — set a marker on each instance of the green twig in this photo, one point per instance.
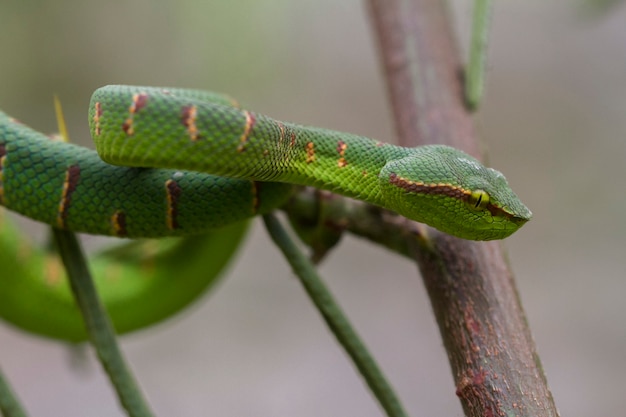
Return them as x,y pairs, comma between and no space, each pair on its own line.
380,226
335,318
99,327
9,405
475,72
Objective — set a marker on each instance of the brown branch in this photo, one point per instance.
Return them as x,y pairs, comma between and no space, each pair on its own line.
494,363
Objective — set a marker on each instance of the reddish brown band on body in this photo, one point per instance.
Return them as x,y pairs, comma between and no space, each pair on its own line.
188,118
281,136
72,176
118,221
255,196
140,101
173,192
96,117
310,152
245,136
292,136
3,158
341,148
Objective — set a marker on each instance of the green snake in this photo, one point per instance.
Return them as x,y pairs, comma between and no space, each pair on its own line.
194,161
141,282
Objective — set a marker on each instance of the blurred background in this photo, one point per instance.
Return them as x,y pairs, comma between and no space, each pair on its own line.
553,121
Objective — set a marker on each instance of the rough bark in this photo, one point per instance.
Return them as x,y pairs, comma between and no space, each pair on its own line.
491,352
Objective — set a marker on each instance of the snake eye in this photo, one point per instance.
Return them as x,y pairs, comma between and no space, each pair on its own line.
478,200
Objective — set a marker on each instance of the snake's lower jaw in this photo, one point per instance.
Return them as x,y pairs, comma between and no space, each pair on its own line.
520,221
495,229
514,224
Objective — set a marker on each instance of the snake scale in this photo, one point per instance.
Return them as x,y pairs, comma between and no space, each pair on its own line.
194,161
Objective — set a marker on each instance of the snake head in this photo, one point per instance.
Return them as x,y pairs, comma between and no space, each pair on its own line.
453,192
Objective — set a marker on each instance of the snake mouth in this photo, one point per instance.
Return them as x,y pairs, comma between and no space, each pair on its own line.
513,210
523,216
518,217
519,221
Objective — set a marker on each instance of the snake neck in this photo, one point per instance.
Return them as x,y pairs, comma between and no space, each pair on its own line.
338,162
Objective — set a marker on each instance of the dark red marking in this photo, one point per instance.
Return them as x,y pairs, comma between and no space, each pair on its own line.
96,117
139,102
245,136
119,224
341,147
188,118
292,134
256,202
72,176
434,189
187,115
3,154
310,152
174,192
281,128
127,126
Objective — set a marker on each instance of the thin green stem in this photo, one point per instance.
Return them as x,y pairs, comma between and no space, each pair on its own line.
335,318
99,327
9,404
475,72
380,226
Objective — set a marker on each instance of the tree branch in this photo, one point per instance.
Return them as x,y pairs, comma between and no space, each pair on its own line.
494,363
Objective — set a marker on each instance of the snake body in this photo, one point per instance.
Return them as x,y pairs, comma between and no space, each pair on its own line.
70,187
436,185
141,282
216,165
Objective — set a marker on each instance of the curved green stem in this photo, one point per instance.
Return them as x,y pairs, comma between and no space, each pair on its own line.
335,318
98,325
475,73
9,405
